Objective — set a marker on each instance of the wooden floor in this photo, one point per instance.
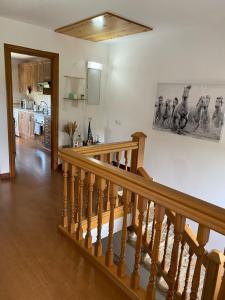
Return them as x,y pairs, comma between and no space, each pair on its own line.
36,261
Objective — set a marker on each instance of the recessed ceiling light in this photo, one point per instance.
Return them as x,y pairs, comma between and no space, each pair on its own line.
99,21
94,65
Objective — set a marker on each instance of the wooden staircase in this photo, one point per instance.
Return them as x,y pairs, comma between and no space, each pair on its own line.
105,186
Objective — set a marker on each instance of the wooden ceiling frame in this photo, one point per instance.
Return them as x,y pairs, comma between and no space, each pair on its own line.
113,26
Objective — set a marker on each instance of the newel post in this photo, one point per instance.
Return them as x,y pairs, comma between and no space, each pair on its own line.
213,277
137,160
137,156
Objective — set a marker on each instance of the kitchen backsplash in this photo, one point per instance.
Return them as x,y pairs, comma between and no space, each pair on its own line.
38,97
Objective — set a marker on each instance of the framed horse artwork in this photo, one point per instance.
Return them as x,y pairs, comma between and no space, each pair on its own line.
195,110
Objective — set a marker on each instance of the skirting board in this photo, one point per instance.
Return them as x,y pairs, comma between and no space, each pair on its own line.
5,176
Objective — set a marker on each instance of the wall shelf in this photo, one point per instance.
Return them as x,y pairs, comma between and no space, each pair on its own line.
74,77
74,99
75,88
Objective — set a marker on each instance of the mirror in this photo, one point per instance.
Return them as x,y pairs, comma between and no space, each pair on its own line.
94,83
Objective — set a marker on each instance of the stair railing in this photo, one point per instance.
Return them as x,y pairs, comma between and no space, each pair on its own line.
138,192
202,268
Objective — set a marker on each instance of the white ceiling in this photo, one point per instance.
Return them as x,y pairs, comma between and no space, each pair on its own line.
160,14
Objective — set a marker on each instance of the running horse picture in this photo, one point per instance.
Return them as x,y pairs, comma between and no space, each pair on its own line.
195,110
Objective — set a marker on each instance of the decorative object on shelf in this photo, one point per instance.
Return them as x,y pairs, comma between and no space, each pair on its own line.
70,129
77,141
89,136
195,110
71,96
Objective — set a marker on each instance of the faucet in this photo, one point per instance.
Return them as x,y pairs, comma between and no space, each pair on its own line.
45,109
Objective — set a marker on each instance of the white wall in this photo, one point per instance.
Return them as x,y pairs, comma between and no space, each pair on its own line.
73,53
193,166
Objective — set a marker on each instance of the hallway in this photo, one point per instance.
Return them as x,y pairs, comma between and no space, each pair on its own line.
36,261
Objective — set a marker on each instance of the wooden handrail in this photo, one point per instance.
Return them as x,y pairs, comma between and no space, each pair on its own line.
193,208
142,172
102,148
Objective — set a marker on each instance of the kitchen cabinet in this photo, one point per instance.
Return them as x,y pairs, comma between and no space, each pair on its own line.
24,76
30,73
46,70
26,125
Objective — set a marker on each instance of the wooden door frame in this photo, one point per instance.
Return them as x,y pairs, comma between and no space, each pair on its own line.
54,57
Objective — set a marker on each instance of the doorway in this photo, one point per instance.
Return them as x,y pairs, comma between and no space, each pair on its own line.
53,58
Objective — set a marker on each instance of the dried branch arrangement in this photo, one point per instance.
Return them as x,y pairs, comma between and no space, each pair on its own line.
70,128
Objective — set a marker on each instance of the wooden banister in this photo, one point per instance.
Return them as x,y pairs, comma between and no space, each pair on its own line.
193,208
100,192
102,148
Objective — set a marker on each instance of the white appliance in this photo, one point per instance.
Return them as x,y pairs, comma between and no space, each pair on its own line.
38,124
16,121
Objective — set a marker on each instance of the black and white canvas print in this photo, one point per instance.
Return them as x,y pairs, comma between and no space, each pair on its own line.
190,109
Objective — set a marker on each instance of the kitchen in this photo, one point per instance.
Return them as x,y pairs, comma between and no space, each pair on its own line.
31,81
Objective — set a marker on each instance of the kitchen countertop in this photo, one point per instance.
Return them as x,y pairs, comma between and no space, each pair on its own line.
31,111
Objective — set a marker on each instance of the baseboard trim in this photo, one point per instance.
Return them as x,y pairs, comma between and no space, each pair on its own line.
5,176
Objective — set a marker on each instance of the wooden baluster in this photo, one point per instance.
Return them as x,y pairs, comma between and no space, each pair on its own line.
65,194
109,158
72,198
135,276
179,266
79,231
88,237
101,188
127,157
202,238
109,161
150,246
178,231
151,288
76,196
121,267
221,295
109,253
184,293
118,158
108,196
103,157
213,276
117,198
146,222
166,244
135,211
